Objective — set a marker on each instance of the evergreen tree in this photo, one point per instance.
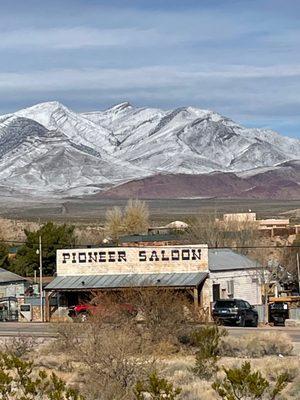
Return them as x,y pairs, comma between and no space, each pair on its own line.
53,237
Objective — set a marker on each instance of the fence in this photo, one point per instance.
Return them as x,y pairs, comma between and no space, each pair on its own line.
295,313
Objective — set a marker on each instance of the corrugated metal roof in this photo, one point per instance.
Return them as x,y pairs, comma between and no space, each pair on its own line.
226,259
7,276
82,282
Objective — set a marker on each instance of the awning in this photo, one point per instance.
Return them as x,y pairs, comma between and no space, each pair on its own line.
86,282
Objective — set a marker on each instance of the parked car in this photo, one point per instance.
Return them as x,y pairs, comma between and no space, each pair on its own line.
278,313
81,312
235,311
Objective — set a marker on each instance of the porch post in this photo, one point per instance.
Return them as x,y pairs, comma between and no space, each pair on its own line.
47,306
196,297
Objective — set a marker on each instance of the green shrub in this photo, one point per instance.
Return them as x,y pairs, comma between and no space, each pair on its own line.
156,388
207,340
19,381
240,383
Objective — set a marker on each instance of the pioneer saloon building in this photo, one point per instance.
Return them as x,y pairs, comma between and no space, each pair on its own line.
81,271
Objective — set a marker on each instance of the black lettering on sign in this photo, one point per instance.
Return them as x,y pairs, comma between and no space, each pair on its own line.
111,256
185,254
121,256
102,255
73,257
142,255
154,256
196,256
92,256
175,255
66,256
163,257
82,257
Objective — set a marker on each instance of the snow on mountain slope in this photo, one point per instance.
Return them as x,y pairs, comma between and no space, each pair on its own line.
55,116
49,148
190,140
35,159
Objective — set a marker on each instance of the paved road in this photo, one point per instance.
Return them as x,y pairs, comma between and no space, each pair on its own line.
38,329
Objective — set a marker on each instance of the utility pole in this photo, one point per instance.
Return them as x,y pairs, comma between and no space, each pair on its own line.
41,278
298,269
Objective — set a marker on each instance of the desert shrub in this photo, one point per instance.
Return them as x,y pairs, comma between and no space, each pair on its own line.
19,381
294,389
69,337
256,345
163,315
20,346
241,383
155,388
275,367
111,356
207,340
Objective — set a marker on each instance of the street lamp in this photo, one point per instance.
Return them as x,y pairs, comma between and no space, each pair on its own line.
39,251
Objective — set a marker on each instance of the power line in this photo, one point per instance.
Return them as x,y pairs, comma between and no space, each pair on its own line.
93,245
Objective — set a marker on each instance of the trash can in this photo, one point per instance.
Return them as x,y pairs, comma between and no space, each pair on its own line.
278,313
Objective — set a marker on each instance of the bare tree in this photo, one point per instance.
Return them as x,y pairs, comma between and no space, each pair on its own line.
136,217
269,272
208,229
134,220
114,223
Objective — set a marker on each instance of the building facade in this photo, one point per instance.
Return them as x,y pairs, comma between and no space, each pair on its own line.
178,267
233,275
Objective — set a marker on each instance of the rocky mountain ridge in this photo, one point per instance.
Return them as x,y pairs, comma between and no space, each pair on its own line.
51,150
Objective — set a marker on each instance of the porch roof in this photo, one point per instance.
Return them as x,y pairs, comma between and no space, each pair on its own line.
116,281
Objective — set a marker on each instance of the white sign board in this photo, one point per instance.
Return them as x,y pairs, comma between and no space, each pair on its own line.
124,260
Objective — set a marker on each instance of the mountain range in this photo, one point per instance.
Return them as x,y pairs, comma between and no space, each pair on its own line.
125,151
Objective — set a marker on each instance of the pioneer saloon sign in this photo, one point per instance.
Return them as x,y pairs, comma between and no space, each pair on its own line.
117,260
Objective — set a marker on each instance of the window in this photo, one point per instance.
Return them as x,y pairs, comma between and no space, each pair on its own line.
225,304
247,305
25,307
230,287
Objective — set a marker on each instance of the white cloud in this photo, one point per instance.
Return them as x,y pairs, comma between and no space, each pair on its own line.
143,77
80,37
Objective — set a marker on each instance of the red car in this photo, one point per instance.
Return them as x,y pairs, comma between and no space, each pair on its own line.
82,311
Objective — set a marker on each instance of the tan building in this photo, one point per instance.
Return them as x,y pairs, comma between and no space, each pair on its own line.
177,267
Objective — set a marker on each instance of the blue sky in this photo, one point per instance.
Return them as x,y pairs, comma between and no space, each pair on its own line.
239,58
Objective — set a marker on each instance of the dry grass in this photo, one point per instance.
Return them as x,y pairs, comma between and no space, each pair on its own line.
256,345
178,370
175,367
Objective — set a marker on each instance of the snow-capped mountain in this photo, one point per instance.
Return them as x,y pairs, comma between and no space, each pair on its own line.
49,149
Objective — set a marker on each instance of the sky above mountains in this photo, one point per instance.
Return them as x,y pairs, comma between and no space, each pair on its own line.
240,58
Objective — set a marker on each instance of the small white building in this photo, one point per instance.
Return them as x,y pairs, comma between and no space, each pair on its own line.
12,284
233,275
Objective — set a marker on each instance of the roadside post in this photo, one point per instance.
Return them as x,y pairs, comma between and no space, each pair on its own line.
298,269
39,252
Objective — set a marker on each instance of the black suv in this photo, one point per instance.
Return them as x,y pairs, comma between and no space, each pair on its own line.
235,311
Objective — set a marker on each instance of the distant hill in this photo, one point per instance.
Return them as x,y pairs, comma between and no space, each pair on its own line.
281,182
